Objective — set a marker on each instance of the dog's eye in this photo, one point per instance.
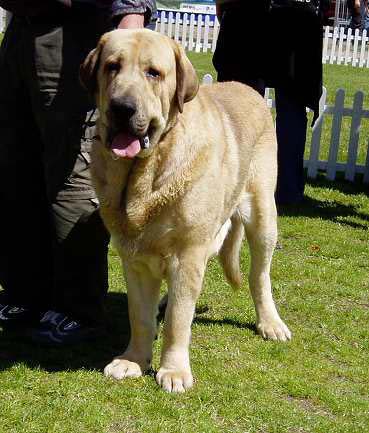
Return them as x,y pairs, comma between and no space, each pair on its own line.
113,67
152,73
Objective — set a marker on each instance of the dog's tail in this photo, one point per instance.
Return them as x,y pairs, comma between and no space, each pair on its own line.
229,254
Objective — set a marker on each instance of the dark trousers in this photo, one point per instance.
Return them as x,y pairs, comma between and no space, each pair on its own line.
53,245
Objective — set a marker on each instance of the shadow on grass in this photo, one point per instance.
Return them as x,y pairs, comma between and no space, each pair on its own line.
16,348
331,209
19,349
225,322
340,184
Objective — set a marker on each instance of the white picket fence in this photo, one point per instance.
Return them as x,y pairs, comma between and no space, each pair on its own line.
199,33
343,47
194,31
357,115
350,167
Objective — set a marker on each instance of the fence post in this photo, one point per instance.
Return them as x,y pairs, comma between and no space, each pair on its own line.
176,26
198,34
340,45
192,29
8,17
162,23
332,56
184,30
366,170
170,24
325,45
335,135
354,52
2,20
206,34
354,136
363,48
215,35
207,79
312,163
348,45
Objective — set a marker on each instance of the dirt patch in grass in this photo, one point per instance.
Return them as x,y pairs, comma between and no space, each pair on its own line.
310,406
358,303
297,430
122,426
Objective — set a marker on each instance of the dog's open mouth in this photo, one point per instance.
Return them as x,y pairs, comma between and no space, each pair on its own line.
127,145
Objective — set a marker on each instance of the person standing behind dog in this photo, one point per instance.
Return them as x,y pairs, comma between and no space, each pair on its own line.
53,245
359,14
276,44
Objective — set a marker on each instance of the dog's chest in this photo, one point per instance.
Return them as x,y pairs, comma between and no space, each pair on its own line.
151,247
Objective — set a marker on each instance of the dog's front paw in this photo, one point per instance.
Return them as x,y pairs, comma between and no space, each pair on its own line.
273,330
174,380
122,368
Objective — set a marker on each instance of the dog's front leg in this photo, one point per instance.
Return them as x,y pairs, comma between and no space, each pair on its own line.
185,277
143,298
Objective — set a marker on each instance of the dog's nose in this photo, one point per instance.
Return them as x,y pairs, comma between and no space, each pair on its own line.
123,108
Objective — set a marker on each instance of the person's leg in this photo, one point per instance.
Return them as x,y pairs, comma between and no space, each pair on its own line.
81,269
366,22
80,240
291,124
25,247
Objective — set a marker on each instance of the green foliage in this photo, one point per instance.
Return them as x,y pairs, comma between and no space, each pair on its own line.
317,383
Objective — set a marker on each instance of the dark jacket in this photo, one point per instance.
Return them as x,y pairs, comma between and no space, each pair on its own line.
282,46
115,7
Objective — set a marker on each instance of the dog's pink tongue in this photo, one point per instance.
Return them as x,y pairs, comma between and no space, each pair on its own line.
126,145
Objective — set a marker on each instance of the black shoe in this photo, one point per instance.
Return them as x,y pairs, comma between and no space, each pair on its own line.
16,317
58,329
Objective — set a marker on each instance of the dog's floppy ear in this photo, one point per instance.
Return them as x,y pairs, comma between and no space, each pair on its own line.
187,81
88,69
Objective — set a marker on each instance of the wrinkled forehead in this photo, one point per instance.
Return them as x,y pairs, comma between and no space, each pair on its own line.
138,46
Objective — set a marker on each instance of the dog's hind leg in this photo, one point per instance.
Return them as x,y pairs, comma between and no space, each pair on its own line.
229,254
260,220
143,298
185,276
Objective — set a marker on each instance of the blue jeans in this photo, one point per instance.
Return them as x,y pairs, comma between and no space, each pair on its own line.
366,24
291,124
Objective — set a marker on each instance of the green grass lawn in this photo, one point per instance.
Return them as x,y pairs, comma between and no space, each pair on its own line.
317,383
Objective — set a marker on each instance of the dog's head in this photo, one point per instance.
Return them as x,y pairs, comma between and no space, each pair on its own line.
140,80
